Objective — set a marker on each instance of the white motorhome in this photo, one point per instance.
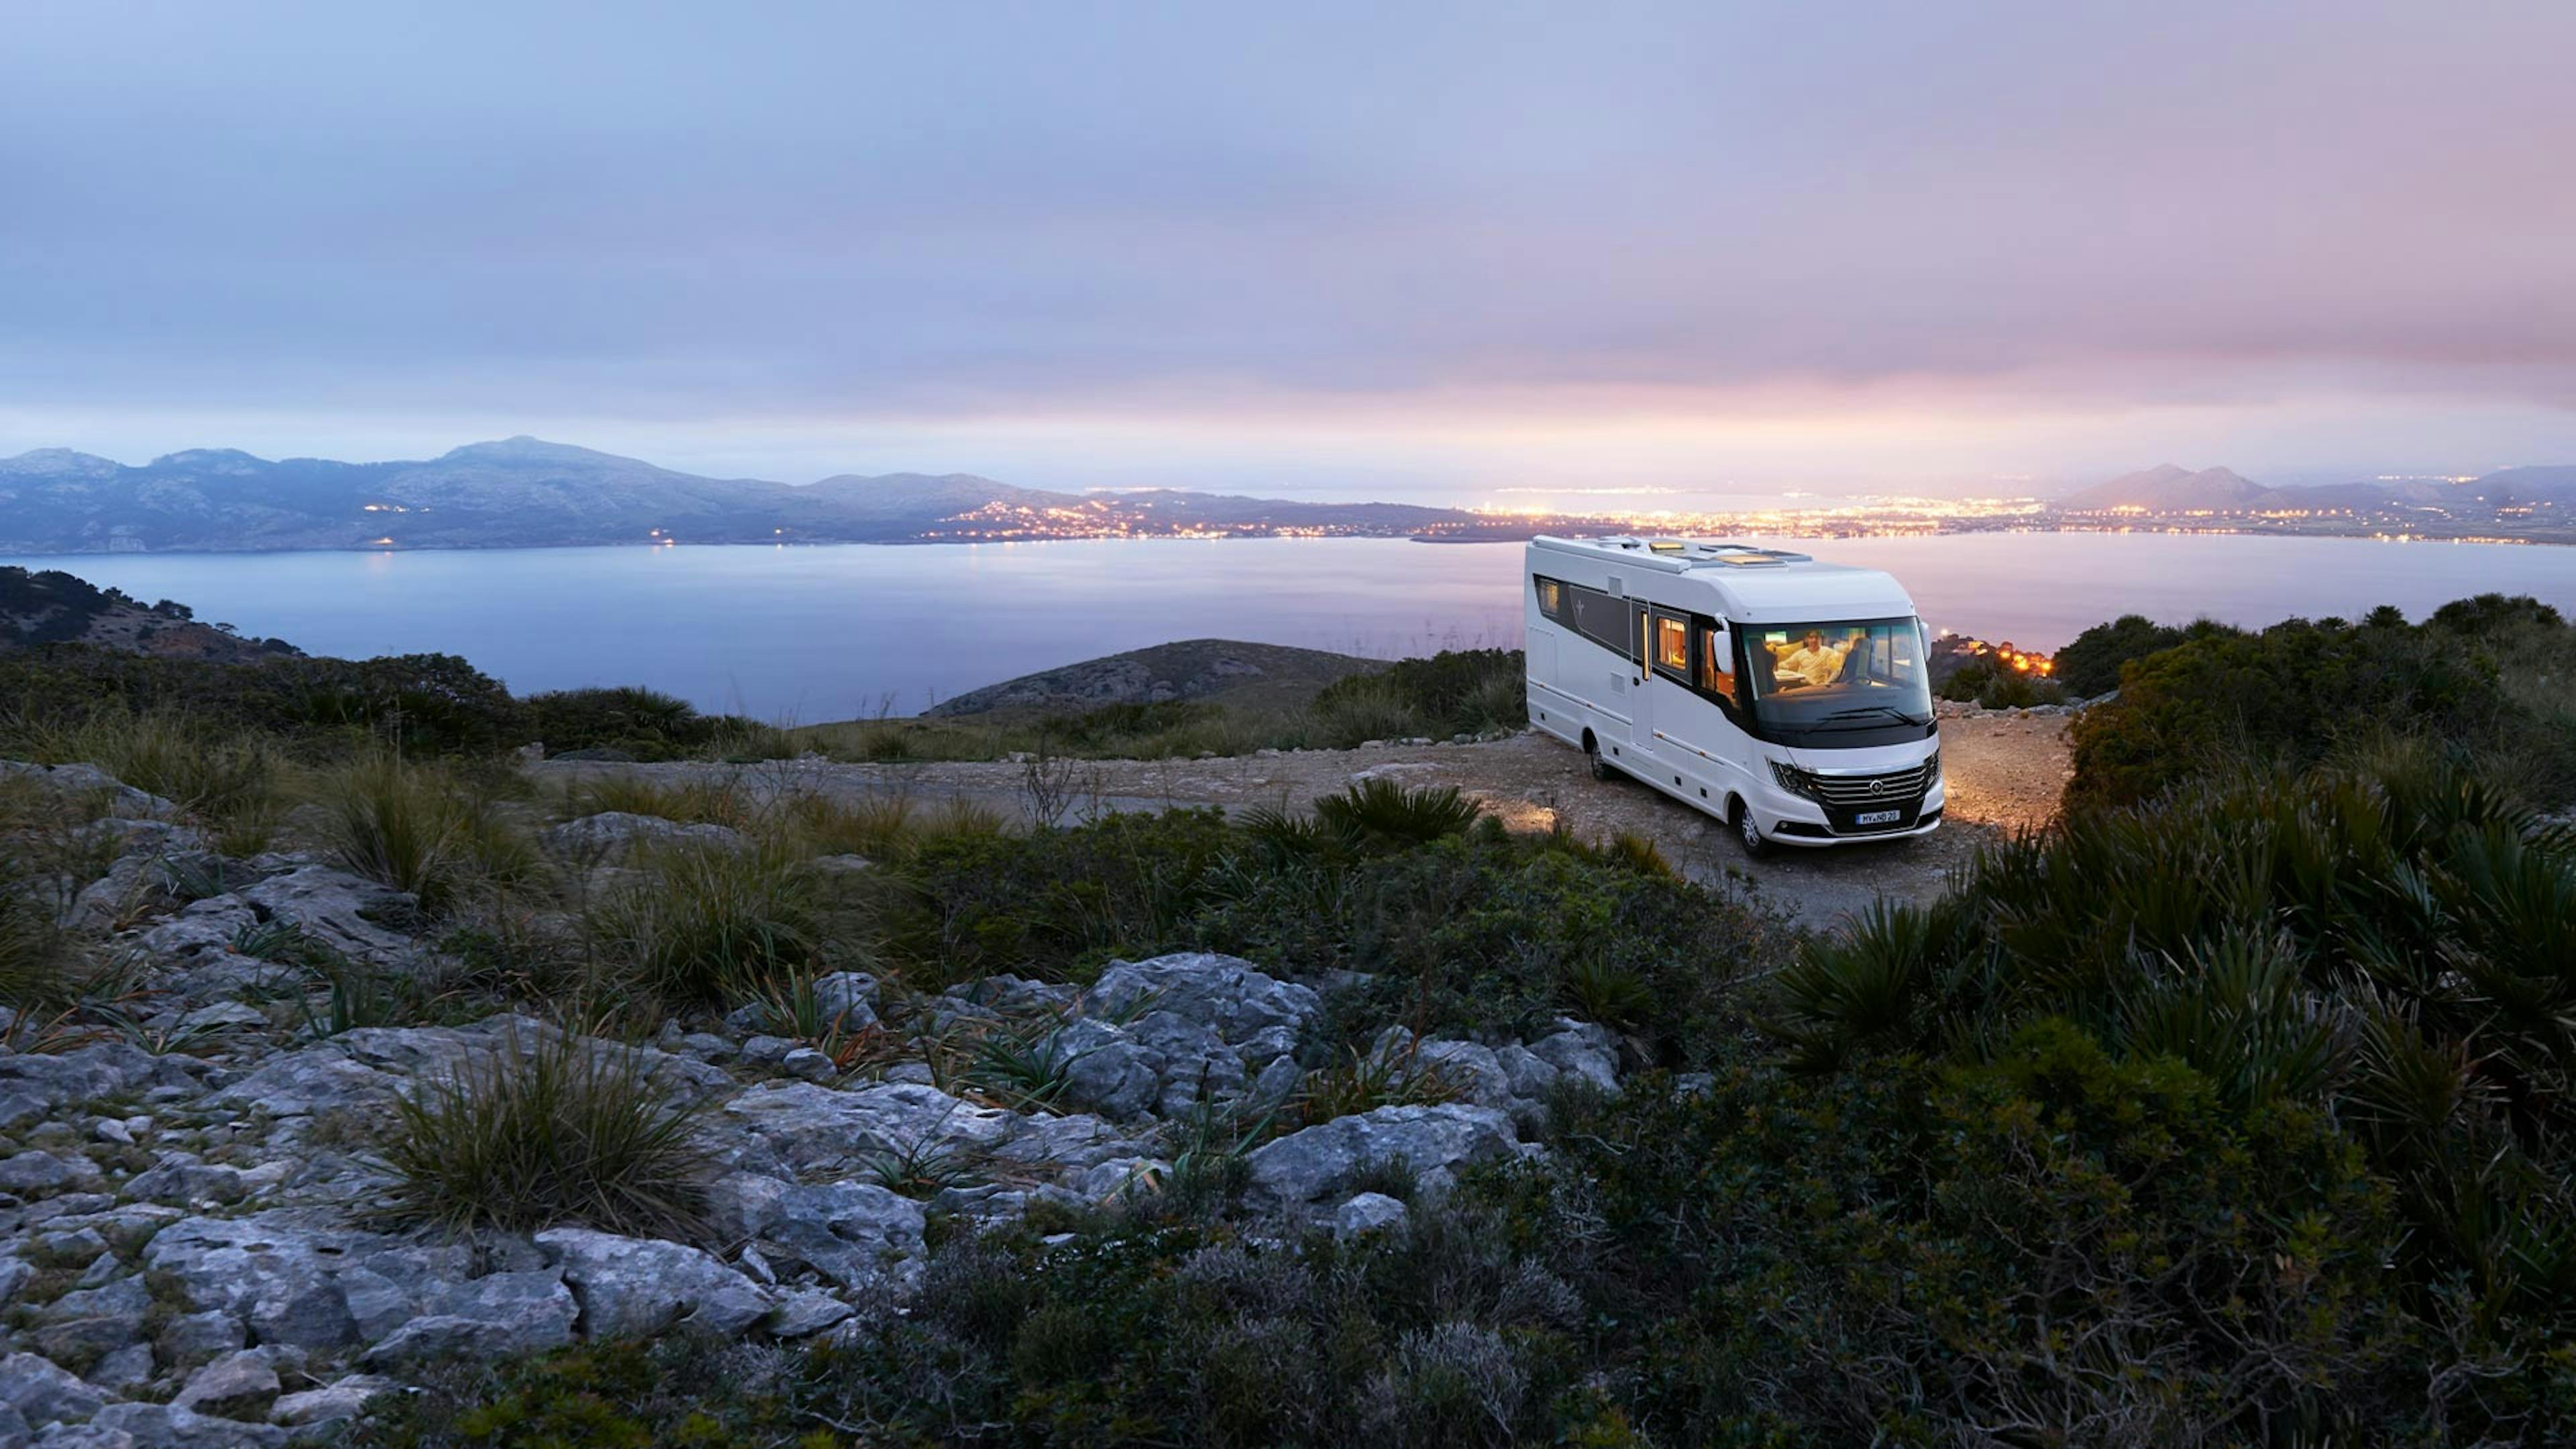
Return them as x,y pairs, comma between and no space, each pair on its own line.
1790,698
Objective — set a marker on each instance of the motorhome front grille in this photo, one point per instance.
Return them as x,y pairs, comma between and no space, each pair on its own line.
1861,791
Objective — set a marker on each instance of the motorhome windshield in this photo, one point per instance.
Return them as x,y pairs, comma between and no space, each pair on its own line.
1843,683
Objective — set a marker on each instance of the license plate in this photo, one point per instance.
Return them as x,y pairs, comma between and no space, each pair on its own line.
1878,817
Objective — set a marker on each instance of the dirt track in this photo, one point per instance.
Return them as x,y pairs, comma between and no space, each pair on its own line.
2004,773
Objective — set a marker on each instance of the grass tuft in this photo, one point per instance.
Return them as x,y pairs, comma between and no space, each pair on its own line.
547,1132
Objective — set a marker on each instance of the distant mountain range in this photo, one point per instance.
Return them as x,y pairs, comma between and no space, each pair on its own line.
524,492
2172,489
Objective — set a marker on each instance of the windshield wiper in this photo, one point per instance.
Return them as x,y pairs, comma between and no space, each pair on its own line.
1886,709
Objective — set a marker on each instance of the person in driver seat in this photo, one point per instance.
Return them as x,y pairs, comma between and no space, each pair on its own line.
1810,661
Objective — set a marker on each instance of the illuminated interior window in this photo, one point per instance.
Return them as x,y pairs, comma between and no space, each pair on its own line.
1672,644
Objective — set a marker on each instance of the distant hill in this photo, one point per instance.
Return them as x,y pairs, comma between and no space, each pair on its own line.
2172,489
2168,489
1262,675
525,492
54,607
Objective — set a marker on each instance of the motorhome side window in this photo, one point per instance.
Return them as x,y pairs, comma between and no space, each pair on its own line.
1671,638
1551,597
1602,619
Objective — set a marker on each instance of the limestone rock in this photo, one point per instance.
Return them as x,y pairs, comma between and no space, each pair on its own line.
1368,1212
344,1398
1588,1051
614,834
124,799
852,1233
239,1385
1315,1164
630,1287
36,1170
1226,994
500,1315
341,910
169,1426
43,1392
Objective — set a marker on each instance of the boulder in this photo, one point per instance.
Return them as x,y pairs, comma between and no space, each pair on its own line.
615,834
1016,995
848,998
42,1084
124,1370
39,1171
168,1426
341,1399
1588,1051
239,1385
1369,1212
124,800
632,1287
805,1128
1105,1070
88,1323
195,1338
340,910
1226,994
1308,1167
852,1233
805,1312
43,1392
497,1316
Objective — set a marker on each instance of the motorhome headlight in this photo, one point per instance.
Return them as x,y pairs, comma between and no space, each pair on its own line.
1793,779
1932,770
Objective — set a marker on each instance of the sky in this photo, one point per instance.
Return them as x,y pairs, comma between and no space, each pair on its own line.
1398,250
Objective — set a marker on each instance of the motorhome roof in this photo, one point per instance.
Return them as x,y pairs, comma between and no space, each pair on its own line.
1760,585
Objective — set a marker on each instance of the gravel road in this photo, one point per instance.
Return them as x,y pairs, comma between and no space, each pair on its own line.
2004,772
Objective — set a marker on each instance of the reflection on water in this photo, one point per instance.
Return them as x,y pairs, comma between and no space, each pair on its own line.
831,632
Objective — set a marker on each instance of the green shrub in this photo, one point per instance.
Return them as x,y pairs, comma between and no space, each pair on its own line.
421,704
2091,664
1380,809
718,799
2297,690
544,1131
2390,946
34,956
1457,691
423,828
703,924
644,723
1480,931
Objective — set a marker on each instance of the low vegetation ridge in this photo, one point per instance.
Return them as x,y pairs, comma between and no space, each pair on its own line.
1233,670
53,607
354,1087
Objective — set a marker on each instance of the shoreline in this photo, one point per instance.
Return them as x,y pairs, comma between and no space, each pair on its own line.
1820,531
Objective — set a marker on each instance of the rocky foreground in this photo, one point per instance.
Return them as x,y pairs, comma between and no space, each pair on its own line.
192,1245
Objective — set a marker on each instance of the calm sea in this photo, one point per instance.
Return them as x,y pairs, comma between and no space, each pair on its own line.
830,632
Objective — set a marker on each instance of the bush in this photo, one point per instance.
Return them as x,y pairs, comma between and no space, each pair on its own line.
424,829
703,924
1457,691
544,1132
1905,1253
421,704
2294,692
2091,665
644,723
1382,810
2389,946
1480,931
